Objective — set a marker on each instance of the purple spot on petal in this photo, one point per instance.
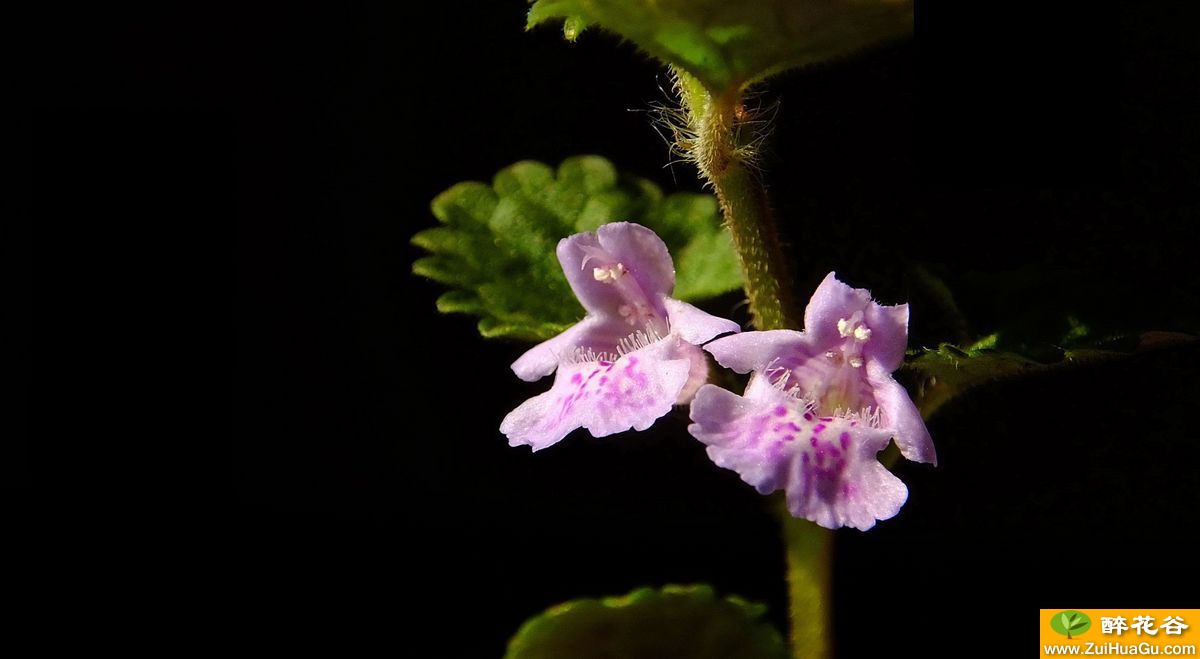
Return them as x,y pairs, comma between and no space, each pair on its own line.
826,419
818,428
780,411
808,416
812,440
603,379
789,438
844,439
577,378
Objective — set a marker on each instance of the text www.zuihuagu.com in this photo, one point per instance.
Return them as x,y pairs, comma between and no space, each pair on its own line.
1115,648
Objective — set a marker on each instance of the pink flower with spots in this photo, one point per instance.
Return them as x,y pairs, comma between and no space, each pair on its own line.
819,407
632,357
842,362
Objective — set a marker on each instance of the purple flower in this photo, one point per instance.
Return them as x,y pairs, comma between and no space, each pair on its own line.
841,363
633,355
776,440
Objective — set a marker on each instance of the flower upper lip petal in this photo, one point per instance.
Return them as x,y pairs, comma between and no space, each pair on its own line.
638,250
834,301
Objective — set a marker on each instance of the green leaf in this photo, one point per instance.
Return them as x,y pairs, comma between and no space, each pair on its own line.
495,244
1065,621
675,622
1080,625
1074,616
948,371
727,45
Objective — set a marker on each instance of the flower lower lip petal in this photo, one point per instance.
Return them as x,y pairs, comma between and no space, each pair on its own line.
827,465
604,396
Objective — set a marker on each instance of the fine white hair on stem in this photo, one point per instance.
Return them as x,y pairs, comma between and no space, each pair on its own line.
674,123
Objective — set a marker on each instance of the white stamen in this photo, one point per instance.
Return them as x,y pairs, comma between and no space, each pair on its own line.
861,334
610,274
843,327
856,362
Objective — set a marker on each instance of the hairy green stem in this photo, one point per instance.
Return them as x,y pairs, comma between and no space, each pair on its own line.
713,142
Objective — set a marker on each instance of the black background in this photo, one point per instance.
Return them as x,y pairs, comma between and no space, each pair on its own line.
367,468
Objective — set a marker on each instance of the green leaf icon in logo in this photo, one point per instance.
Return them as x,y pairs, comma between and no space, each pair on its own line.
1070,623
